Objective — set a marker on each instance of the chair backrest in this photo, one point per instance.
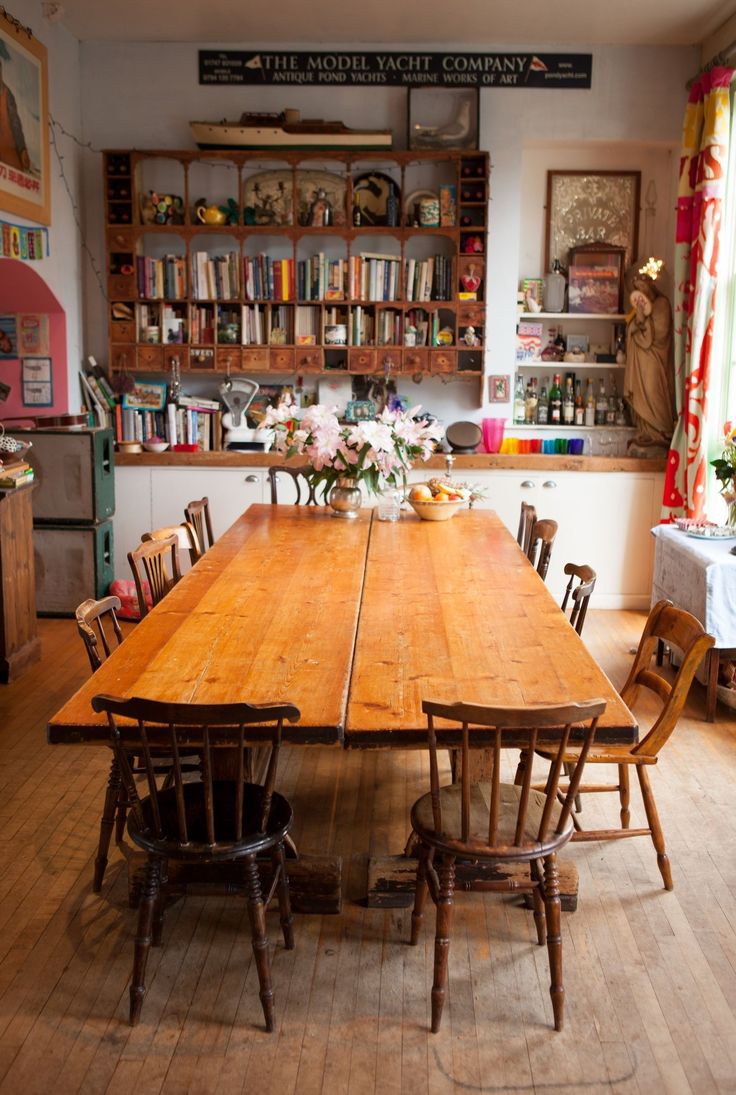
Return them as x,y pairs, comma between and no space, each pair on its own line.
185,535
483,727
678,628
301,479
148,561
580,594
527,517
197,514
179,728
93,617
541,539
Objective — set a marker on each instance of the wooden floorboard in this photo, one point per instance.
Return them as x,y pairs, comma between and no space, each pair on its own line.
650,976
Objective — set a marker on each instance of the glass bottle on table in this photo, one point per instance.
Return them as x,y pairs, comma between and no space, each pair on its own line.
555,401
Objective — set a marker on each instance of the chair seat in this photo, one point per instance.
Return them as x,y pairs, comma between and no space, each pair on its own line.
228,847
599,754
477,845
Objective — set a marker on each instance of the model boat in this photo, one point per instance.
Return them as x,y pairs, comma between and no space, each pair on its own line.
286,130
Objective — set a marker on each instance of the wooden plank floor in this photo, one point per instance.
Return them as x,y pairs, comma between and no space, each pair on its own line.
650,976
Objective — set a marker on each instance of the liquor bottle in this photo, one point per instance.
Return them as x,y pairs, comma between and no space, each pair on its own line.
531,402
554,289
601,404
555,401
519,402
561,343
568,404
579,406
612,409
543,405
589,405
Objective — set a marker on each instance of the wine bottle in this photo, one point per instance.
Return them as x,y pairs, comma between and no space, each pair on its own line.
590,405
568,404
579,406
601,404
555,401
543,405
519,402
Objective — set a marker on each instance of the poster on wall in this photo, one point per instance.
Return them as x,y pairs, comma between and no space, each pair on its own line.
24,143
36,381
8,339
33,334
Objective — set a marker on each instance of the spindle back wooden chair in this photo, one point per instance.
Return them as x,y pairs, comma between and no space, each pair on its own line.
150,562
577,596
498,823
677,628
527,517
301,478
541,539
186,537
198,515
209,822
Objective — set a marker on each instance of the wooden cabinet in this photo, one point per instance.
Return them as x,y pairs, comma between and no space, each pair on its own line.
386,284
19,642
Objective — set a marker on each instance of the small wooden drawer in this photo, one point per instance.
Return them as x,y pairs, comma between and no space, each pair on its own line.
442,361
202,358
121,287
281,359
150,357
122,357
123,330
309,359
120,239
361,361
230,357
176,350
388,360
470,315
470,361
415,361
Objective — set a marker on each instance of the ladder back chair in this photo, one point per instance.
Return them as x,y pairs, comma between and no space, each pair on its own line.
302,483
541,539
198,515
577,596
150,563
186,537
498,823
677,628
208,822
527,517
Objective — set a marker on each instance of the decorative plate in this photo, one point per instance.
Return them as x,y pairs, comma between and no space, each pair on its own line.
378,197
712,532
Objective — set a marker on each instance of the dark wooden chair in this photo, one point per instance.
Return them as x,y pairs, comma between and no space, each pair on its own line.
541,539
186,536
577,596
301,479
498,824
677,628
198,515
527,517
208,823
150,563
94,618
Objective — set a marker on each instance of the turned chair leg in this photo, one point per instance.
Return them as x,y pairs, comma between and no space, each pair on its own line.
144,937
158,914
539,918
420,895
257,915
654,824
554,937
112,795
624,794
287,920
446,875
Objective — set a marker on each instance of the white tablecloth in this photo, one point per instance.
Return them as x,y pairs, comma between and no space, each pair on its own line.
699,576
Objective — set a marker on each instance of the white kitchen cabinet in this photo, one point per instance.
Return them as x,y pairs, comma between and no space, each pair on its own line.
132,514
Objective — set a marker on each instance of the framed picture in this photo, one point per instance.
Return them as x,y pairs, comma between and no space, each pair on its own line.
441,117
499,389
586,207
25,186
8,338
147,395
36,382
577,343
595,279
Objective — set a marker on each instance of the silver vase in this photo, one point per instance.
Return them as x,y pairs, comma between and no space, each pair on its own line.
345,498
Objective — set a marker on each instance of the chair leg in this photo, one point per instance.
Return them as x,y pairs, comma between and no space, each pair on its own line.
446,875
158,915
624,794
149,897
554,937
257,915
287,920
420,895
654,824
112,795
539,918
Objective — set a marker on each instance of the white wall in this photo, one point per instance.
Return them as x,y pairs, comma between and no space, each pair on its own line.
144,96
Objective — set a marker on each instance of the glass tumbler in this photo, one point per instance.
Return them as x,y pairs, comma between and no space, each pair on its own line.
389,504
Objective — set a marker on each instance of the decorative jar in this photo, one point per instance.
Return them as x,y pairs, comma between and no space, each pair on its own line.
345,498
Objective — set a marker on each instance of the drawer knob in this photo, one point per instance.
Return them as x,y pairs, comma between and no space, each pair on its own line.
528,483
251,478
549,483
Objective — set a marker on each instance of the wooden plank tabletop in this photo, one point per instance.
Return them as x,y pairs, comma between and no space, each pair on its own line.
453,611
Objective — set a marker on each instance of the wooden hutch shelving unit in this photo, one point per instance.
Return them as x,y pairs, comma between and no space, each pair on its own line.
236,334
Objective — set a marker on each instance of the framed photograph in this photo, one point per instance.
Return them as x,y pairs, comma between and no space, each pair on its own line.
25,186
499,389
595,279
147,395
36,382
8,338
441,117
585,207
577,343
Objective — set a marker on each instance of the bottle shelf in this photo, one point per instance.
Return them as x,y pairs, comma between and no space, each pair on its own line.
577,316
567,366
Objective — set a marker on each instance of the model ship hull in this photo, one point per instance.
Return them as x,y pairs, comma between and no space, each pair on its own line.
299,136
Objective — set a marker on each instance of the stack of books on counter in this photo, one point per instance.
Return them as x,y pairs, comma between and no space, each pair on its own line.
15,475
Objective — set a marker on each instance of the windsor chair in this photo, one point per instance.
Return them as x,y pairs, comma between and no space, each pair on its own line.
198,515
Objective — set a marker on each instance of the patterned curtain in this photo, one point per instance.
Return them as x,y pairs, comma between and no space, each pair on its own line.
701,189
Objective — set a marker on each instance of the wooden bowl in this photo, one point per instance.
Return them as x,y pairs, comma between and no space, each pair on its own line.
436,511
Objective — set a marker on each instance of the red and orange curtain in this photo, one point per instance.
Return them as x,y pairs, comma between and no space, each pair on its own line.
700,200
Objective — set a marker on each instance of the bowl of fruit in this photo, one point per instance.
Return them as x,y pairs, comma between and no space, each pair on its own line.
438,500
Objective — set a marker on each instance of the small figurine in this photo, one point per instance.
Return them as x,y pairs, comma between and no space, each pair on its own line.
470,281
472,245
320,211
470,338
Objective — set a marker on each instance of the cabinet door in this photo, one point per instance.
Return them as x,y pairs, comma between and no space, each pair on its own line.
132,514
230,491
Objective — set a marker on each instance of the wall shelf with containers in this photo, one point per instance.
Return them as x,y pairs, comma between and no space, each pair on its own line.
231,261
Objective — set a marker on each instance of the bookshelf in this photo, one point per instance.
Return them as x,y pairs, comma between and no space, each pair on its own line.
329,262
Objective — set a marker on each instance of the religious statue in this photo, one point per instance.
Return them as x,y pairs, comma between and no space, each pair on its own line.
649,374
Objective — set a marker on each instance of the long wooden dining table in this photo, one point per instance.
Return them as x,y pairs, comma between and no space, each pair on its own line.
355,622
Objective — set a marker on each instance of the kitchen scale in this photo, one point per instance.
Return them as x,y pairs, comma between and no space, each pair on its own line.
237,395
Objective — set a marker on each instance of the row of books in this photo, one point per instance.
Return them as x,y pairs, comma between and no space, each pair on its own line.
15,475
429,279
217,277
268,278
178,424
375,277
161,279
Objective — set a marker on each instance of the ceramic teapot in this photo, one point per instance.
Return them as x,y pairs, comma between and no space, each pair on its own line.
211,214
